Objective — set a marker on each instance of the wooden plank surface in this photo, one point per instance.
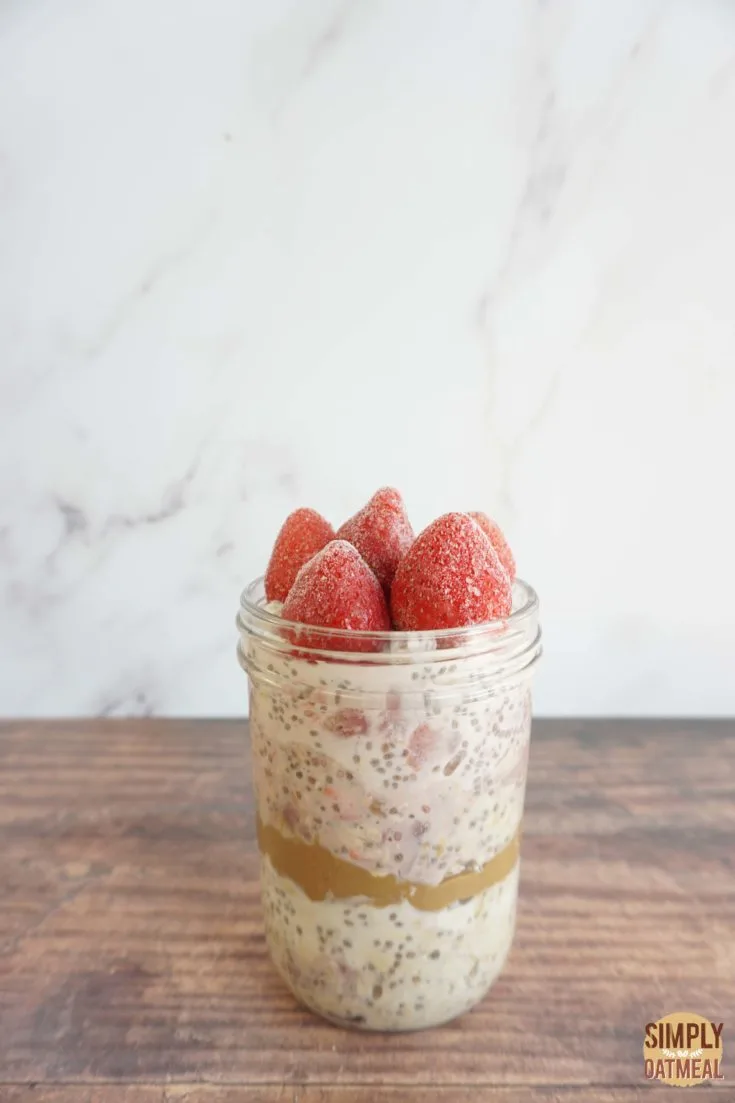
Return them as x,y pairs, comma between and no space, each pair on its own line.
188,1093
132,952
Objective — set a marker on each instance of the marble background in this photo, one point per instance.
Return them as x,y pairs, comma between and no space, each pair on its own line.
263,253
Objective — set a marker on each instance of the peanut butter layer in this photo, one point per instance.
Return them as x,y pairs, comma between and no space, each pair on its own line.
322,874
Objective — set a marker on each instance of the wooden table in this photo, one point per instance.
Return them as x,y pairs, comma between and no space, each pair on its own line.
133,966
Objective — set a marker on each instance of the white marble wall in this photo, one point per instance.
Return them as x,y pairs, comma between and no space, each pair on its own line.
262,253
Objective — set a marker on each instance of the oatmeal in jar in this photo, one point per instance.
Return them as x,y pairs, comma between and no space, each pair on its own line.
389,767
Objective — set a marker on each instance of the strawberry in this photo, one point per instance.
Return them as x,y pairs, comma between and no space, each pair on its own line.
347,722
450,577
421,745
337,589
381,532
494,534
303,534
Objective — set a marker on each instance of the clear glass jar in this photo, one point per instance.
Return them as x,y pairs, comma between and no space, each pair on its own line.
389,772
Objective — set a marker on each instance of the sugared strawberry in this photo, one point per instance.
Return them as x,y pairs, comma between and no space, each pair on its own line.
303,534
337,589
450,577
381,532
494,534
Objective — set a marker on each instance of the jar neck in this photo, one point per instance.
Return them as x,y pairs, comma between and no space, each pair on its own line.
505,649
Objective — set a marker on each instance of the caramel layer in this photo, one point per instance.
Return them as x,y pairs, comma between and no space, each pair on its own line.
322,874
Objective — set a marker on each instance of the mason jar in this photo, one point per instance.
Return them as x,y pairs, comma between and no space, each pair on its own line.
389,771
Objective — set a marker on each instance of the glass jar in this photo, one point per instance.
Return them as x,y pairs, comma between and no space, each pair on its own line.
389,772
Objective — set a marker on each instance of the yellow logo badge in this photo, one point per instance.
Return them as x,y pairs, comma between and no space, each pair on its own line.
683,1049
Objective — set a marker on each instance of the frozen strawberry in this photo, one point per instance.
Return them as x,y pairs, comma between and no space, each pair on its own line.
494,534
337,589
450,577
303,534
381,532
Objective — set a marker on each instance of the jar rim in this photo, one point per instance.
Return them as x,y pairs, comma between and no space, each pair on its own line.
522,617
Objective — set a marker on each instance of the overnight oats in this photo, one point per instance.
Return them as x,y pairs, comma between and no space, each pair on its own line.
390,719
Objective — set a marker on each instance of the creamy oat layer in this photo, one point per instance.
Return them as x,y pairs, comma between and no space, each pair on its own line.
396,768
388,968
390,799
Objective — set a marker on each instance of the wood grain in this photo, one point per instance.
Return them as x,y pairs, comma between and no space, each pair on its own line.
132,952
188,1093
